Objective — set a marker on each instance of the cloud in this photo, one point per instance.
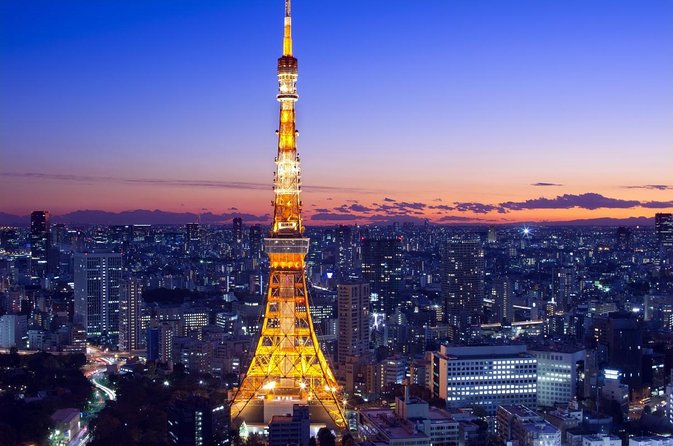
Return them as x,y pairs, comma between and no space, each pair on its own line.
328,216
458,218
402,218
240,185
543,184
389,200
360,208
589,201
657,204
412,205
442,207
651,187
477,208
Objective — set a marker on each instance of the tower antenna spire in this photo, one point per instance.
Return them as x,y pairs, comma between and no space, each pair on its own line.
287,34
288,366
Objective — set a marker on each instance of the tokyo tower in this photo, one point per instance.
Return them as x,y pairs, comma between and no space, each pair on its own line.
288,366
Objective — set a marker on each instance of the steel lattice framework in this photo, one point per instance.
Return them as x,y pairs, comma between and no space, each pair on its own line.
288,366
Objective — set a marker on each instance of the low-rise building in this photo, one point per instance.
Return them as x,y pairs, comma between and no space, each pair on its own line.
292,429
524,426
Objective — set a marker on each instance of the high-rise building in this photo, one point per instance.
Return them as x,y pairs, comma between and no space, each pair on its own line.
382,268
288,366
130,298
256,245
39,242
344,252
623,238
193,232
502,299
566,287
353,317
462,281
486,376
192,237
97,287
624,341
663,226
492,234
669,400
238,230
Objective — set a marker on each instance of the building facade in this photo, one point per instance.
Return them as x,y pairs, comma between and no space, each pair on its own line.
484,376
97,292
353,319
557,374
462,282
382,268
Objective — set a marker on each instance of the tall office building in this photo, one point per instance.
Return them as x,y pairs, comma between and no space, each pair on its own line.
486,376
256,245
663,226
39,242
462,281
492,235
382,268
192,237
503,302
344,252
193,232
353,317
238,230
624,340
130,300
97,287
565,286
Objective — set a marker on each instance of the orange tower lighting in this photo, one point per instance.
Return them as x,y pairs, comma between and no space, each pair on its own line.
288,366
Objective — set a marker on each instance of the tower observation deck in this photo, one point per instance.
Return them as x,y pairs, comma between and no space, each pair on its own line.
288,366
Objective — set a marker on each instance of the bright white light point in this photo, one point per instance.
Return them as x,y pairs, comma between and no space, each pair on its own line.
526,231
166,383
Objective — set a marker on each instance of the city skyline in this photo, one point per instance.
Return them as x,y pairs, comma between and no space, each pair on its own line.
469,112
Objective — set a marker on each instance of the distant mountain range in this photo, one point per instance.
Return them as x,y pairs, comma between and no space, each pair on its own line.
138,216
142,216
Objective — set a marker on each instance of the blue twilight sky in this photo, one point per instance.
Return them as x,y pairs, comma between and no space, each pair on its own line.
131,104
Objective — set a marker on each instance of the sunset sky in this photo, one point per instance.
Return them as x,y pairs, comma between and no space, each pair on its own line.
485,111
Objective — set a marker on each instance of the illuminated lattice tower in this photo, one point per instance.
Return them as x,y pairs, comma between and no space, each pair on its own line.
288,366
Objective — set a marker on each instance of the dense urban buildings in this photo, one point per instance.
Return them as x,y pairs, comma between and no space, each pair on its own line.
254,330
190,303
